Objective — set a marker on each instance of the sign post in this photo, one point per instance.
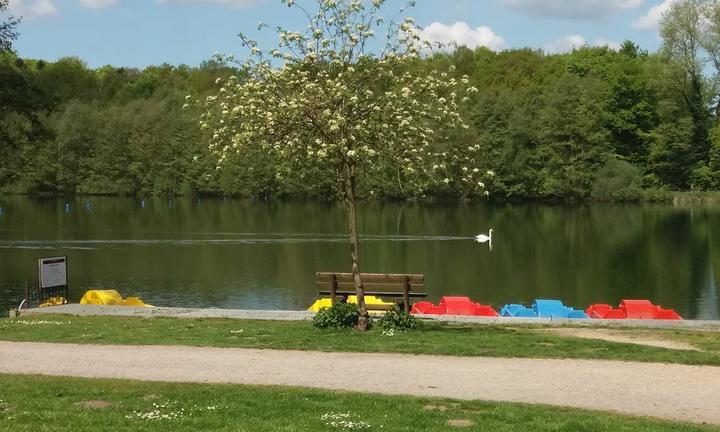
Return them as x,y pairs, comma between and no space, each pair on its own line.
52,286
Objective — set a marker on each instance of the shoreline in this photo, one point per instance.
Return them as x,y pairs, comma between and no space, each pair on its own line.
272,315
679,199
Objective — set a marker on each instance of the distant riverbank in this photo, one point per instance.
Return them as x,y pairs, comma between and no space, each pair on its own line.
688,198
685,199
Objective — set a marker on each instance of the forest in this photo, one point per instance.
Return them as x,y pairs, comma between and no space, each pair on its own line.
593,124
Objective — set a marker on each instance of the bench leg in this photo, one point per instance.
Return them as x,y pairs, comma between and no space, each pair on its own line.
333,290
406,295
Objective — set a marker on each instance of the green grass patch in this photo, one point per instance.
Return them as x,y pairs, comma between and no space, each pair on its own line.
29,403
428,338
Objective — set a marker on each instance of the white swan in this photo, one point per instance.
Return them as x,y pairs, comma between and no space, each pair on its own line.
482,238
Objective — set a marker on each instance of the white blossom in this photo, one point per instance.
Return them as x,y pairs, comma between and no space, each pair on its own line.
335,101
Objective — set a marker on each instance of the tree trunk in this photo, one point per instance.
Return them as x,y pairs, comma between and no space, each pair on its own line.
363,321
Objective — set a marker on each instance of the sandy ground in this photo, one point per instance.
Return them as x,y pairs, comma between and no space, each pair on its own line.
621,337
675,392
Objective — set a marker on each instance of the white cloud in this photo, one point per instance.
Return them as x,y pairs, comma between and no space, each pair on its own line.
565,44
232,3
33,8
461,34
571,42
651,20
97,4
607,43
582,9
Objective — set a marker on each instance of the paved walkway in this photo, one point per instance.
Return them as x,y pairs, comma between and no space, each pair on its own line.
674,392
153,312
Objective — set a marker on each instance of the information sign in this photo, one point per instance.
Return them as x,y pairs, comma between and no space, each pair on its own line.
53,272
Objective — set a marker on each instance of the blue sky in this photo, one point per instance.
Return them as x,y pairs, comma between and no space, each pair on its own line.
138,33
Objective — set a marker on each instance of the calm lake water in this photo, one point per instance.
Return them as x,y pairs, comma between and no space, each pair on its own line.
240,254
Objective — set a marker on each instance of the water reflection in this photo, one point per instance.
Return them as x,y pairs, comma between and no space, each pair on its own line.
251,239
239,254
708,303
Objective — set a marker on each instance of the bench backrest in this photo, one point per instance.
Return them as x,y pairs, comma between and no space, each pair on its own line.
373,282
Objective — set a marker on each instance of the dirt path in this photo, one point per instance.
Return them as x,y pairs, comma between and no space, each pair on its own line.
622,337
675,392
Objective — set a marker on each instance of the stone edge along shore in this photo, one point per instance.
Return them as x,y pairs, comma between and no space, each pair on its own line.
268,315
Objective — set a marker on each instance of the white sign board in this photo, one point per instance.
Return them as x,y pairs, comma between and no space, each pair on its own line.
53,272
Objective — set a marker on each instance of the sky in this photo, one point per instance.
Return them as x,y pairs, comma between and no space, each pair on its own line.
139,33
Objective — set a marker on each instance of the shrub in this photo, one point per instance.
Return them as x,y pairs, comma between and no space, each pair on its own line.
397,320
618,180
704,179
657,195
341,315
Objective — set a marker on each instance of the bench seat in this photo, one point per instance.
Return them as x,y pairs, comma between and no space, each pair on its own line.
397,286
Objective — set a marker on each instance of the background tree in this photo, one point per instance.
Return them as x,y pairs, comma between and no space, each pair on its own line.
710,42
8,25
340,102
683,30
13,89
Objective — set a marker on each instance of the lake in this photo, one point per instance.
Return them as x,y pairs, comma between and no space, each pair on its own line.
258,255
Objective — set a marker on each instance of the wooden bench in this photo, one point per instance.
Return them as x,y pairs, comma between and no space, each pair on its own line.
397,286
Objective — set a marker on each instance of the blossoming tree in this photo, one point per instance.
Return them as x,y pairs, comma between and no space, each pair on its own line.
339,97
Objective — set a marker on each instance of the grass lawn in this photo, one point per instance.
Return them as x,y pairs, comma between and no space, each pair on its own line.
430,338
78,405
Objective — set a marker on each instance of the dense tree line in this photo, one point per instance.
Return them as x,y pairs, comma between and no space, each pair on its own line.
69,129
595,123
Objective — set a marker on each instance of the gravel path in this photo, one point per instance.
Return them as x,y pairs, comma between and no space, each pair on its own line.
154,312
674,392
